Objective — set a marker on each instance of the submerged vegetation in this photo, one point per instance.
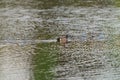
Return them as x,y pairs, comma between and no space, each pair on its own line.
114,47
45,4
117,3
45,60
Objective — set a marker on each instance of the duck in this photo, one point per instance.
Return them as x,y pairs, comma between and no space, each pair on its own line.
63,39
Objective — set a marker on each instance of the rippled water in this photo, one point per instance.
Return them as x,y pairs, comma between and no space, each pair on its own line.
90,56
15,57
93,53
15,63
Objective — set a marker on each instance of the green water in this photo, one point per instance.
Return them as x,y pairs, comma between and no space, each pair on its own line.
45,60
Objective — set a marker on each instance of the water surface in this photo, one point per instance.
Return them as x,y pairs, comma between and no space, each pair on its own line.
93,53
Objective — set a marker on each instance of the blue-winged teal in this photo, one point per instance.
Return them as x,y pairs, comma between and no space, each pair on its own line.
63,39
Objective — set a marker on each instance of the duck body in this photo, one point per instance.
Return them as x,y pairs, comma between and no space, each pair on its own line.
62,40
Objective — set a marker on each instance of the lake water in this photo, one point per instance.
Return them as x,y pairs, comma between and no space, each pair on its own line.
93,53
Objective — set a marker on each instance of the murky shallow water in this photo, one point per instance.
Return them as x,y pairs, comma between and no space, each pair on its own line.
92,30
15,62
93,53
15,52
